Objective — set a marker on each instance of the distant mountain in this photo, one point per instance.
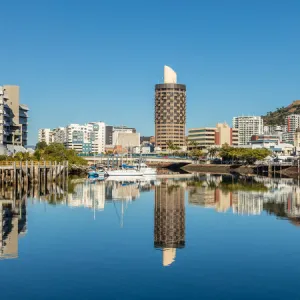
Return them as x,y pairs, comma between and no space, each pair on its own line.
277,117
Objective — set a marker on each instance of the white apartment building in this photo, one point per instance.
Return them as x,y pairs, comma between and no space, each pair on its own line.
59,135
292,122
56,135
88,138
248,126
45,135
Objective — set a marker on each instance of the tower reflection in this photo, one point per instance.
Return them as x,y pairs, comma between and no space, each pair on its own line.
169,220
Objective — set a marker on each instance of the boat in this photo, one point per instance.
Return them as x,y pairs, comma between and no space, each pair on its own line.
93,174
143,168
124,172
132,179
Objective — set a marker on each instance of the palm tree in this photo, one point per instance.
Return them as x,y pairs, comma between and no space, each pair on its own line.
193,144
212,152
171,146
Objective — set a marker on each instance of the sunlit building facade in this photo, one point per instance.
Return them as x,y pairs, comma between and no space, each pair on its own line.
170,111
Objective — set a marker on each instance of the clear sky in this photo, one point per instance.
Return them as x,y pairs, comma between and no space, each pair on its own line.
79,61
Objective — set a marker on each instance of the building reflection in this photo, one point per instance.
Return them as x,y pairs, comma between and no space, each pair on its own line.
169,220
241,196
89,195
275,196
13,224
123,189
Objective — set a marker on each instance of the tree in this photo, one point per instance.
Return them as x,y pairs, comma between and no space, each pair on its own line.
193,144
196,153
171,146
41,145
58,152
243,155
212,152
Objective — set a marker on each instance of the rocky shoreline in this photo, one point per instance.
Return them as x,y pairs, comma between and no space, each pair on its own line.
78,170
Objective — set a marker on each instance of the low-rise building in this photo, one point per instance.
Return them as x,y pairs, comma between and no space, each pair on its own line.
127,140
218,136
110,130
278,148
264,139
142,149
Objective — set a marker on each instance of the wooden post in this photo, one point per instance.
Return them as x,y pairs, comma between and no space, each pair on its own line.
50,172
59,177
15,175
63,171
45,178
38,176
55,170
67,169
32,171
21,171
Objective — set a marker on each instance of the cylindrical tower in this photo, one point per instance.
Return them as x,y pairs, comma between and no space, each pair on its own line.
170,111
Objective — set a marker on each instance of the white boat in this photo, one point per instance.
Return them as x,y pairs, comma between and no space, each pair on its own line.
125,178
145,170
124,172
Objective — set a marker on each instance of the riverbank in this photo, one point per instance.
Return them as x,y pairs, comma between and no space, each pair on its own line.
218,169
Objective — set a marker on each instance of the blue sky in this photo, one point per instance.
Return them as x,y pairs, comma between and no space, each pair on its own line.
79,61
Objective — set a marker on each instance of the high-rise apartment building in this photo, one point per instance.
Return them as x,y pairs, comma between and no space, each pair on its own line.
88,138
13,117
248,126
59,135
170,111
207,137
45,135
292,122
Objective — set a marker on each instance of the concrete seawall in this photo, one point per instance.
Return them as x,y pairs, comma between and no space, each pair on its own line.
219,169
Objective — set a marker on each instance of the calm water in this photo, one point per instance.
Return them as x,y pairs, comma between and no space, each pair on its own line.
208,237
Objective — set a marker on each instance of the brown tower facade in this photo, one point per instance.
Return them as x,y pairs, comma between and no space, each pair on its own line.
170,113
169,216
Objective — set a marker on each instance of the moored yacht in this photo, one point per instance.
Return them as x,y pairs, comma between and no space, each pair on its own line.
124,172
145,170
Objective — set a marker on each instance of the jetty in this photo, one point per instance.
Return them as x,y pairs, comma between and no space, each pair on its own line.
26,172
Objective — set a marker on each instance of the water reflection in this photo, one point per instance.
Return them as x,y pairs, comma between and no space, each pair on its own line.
13,224
247,196
169,220
225,194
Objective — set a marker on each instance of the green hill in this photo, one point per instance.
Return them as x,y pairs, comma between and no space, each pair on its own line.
277,117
